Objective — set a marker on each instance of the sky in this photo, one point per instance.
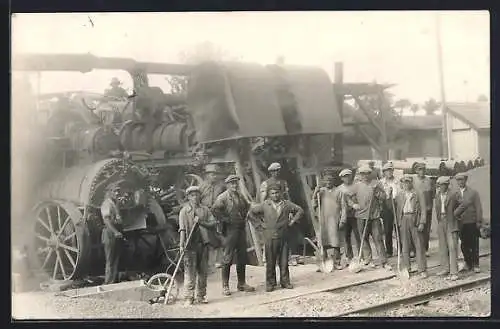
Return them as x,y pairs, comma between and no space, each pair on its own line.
397,47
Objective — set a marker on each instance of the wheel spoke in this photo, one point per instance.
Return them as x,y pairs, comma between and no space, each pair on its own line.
59,261
64,226
59,217
42,238
43,224
66,238
68,247
49,218
70,258
47,258
54,272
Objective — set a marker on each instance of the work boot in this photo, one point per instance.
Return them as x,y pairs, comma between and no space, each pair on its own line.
453,277
202,300
442,273
464,268
422,275
287,286
477,269
388,267
269,288
225,290
245,287
188,302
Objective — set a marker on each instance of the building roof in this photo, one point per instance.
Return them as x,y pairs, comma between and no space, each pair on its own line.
422,122
477,115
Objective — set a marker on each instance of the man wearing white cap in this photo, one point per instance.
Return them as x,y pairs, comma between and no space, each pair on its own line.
391,188
351,225
470,214
368,196
196,215
231,209
445,204
274,171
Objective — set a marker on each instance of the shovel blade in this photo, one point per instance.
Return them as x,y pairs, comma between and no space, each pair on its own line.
404,274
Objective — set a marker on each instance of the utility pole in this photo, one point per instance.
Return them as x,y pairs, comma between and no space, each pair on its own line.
445,133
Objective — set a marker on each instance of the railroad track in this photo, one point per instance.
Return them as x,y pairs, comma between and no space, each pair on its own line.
417,299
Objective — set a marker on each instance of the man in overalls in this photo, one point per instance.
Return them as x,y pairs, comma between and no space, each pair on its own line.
411,217
231,209
274,172
278,215
351,225
112,236
196,215
445,204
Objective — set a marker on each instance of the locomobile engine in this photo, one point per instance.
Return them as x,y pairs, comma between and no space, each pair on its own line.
240,116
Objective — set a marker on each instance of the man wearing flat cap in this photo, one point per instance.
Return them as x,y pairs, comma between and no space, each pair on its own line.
210,189
274,172
469,213
197,218
351,225
278,216
368,196
411,217
331,218
424,185
116,89
445,204
391,188
231,209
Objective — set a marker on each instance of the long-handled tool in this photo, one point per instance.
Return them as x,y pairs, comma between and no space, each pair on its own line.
405,274
326,264
181,257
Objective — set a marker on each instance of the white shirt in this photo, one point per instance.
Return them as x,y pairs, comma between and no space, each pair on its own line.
390,183
408,208
277,206
443,202
462,192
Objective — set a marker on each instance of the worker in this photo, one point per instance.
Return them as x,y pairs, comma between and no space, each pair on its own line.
278,215
210,189
391,188
351,225
470,214
116,90
274,172
445,204
411,217
231,209
112,235
196,218
424,185
368,196
375,174
330,217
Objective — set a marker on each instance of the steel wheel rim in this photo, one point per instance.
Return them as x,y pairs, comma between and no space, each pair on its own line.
57,242
160,282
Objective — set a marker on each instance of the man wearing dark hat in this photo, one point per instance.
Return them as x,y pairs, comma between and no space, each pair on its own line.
368,196
330,217
351,225
197,218
231,209
112,236
116,90
210,189
391,188
469,212
424,185
274,172
445,204
278,215
375,174
411,217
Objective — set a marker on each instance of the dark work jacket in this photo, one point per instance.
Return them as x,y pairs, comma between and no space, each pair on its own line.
275,225
469,208
205,233
231,208
450,206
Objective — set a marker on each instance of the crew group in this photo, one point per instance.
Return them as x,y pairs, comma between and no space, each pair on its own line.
215,217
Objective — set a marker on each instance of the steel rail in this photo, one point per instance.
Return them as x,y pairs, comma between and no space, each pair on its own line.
418,298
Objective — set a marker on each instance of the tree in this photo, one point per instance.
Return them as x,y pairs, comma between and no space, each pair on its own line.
402,104
414,108
482,98
431,106
205,51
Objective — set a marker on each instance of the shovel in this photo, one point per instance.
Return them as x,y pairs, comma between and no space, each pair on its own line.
354,265
403,274
325,263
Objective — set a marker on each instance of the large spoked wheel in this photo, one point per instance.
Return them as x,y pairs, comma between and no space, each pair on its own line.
160,283
60,239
